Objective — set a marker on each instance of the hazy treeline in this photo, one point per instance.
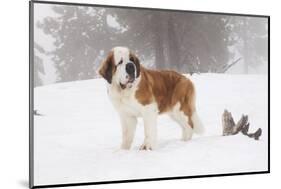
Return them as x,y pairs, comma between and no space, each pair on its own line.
183,41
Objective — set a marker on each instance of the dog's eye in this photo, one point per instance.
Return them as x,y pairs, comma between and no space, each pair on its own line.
132,59
121,61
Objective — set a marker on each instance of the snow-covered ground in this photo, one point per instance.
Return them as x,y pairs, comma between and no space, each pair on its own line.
77,139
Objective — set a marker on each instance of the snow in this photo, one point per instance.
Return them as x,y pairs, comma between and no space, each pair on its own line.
77,139
112,22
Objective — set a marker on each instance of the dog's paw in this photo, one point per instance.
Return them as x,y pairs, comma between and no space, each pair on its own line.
125,147
146,146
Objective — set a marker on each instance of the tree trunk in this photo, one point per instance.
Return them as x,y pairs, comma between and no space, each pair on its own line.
246,49
173,46
159,53
246,59
158,39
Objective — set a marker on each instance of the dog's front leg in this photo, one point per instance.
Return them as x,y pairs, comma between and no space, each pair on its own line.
128,130
150,131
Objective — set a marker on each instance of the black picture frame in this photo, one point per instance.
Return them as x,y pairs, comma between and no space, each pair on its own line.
31,95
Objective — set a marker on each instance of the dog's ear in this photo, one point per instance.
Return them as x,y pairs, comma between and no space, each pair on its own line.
136,62
107,68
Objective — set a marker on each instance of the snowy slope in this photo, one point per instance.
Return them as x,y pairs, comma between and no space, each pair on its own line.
78,136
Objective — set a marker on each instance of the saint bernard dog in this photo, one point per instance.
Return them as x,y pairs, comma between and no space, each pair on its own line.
136,91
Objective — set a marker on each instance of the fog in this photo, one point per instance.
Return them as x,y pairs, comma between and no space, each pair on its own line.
71,41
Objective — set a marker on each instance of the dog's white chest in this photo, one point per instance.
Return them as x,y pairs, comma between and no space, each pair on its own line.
125,102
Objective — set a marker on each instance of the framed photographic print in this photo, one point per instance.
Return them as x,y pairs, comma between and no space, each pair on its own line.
126,94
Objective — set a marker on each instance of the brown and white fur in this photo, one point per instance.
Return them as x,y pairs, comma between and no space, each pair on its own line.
136,91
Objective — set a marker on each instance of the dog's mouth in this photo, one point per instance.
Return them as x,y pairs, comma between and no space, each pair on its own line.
127,84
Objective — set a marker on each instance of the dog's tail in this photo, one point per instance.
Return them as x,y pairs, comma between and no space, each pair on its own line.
198,127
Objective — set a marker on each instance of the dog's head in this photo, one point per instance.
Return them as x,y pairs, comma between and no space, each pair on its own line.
121,67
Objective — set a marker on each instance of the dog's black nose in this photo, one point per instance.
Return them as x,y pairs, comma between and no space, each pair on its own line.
130,68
